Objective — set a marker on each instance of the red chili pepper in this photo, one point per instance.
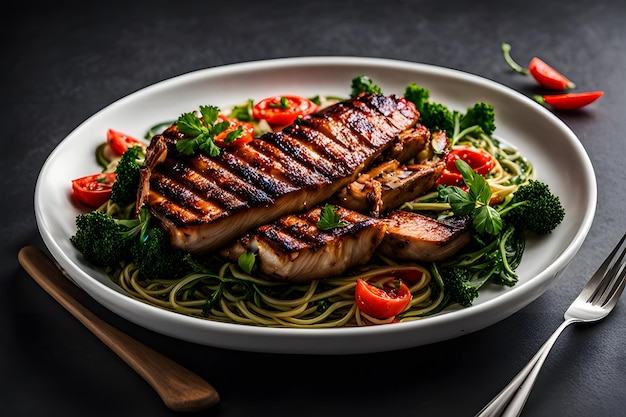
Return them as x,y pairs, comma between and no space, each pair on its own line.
548,76
543,73
570,101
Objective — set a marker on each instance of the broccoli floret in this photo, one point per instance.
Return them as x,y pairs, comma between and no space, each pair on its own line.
459,286
437,116
127,176
534,207
481,115
364,84
103,240
155,258
417,95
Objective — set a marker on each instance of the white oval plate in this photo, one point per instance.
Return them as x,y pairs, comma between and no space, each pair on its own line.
556,152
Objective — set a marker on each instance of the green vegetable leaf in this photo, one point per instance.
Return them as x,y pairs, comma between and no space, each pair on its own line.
209,115
479,190
234,135
243,112
187,146
246,262
475,201
213,301
207,144
329,219
459,200
317,100
364,84
190,124
487,220
200,133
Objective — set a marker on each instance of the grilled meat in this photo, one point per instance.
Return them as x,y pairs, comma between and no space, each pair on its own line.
387,186
412,236
409,144
294,249
205,202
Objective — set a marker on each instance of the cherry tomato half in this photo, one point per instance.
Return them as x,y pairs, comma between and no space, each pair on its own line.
409,276
382,302
282,110
246,136
481,162
94,190
120,142
547,76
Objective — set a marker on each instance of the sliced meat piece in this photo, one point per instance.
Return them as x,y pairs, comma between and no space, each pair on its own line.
294,249
387,186
205,202
415,237
409,144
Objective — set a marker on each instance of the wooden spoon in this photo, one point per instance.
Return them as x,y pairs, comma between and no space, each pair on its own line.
180,389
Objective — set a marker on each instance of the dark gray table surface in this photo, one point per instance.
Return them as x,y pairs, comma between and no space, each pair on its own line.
64,62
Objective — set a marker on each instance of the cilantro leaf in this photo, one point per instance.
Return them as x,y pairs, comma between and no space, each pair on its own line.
209,115
329,219
207,144
189,124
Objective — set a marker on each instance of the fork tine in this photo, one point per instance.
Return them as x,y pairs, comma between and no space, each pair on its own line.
613,268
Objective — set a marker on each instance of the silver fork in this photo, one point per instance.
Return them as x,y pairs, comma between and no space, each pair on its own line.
594,303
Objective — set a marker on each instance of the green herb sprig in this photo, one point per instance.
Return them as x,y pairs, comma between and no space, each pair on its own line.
329,219
200,132
475,201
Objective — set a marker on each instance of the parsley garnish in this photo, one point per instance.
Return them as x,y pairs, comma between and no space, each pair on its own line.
475,201
329,219
200,132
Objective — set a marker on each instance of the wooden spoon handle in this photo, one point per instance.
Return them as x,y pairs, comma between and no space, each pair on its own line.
180,389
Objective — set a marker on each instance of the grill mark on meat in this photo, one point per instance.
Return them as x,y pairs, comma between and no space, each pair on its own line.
203,202
267,187
283,166
398,112
360,123
308,156
332,126
296,232
170,189
293,248
336,153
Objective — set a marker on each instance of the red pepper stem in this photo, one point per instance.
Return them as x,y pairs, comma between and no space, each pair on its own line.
506,50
